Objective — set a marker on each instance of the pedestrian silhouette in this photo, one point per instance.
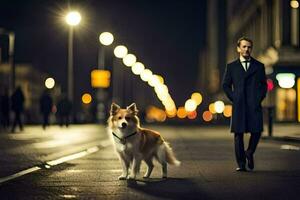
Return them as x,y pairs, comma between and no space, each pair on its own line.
64,108
46,104
17,106
4,109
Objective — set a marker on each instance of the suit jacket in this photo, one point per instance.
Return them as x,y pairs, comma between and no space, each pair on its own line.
246,90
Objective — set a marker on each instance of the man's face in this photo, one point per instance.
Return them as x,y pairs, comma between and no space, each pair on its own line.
244,49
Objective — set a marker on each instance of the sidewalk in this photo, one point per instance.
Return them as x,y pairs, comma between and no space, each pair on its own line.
284,131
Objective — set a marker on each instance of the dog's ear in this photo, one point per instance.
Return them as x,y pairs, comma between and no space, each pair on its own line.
114,108
133,108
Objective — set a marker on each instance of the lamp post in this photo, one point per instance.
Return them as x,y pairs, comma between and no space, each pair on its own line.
73,18
106,39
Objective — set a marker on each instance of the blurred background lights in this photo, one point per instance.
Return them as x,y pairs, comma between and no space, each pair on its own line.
286,80
86,98
161,89
138,68
219,106
192,115
211,108
171,113
197,97
49,83
227,111
73,18
207,116
190,105
146,75
294,4
106,38
181,113
161,79
129,60
120,51
154,81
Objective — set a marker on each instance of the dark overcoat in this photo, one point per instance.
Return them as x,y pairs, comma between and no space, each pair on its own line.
246,90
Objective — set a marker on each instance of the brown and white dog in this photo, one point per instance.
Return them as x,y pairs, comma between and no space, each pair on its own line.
134,144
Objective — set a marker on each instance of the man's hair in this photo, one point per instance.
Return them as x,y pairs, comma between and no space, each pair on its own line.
244,38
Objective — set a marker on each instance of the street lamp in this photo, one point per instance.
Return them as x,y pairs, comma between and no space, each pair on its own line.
106,39
73,18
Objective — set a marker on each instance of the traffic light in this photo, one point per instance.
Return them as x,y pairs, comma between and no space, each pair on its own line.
100,78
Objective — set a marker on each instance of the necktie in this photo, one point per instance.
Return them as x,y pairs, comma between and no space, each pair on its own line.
246,64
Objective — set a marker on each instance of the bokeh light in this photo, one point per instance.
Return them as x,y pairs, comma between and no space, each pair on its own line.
106,38
181,113
120,51
190,105
129,60
294,4
73,18
192,115
211,108
227,111
86,98
49,83
207,116
219,106
146,75
138,68
197,97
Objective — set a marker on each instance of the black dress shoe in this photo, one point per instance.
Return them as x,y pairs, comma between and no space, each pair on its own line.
241,169
250,161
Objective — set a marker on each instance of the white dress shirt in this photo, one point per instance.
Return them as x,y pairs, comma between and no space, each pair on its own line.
242,60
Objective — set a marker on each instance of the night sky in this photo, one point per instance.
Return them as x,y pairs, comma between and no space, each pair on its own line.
165,35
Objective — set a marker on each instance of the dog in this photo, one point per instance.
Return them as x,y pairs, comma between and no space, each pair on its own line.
134,144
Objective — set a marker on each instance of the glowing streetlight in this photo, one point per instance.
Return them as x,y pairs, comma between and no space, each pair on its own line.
146,75
120,51
49,83
73,18
106,38
294,4
129,60
138,68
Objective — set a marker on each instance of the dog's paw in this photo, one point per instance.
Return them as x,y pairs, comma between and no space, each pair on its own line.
122,177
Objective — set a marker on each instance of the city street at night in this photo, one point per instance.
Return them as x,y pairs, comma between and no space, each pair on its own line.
207,168
88,86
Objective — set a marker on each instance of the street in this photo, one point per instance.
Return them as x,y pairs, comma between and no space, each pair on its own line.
207,168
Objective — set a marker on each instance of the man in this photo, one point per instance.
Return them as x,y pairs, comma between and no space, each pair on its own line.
17,106
245,85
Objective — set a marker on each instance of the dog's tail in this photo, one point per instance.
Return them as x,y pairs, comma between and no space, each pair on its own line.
170,157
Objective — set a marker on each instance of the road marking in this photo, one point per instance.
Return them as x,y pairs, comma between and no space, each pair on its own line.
19,174
289,147
49,164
